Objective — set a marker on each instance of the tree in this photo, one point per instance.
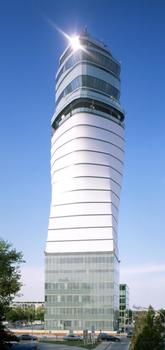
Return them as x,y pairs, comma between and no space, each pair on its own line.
161,313
39,314
16,314
128,319
28,314
148,331
10,283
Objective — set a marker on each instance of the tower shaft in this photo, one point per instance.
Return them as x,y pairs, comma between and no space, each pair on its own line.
82,287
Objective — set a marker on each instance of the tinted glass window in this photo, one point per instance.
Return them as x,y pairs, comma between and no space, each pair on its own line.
93,57
92,83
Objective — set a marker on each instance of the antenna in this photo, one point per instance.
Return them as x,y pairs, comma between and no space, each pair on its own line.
85,31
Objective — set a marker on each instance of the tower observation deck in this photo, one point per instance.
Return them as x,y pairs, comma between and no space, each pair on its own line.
81,269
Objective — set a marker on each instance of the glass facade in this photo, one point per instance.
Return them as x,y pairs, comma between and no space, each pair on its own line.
97,58
81,291
92,83
123,304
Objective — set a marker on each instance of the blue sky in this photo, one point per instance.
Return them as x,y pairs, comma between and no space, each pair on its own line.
30,49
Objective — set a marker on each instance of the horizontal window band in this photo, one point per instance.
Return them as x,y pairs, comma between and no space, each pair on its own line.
81,88
77,271
87,63
95,164
87,81
74,292
89,138
85,150
84,62
95,106
81,240
92,177
91,126
89,202
93,54
104,253
92,107
72,318
69,271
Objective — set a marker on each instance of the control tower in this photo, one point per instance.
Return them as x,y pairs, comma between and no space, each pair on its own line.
82,260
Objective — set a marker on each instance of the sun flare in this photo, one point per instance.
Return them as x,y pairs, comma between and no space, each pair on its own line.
75,43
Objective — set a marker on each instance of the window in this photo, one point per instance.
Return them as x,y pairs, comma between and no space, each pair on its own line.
92,57
90,82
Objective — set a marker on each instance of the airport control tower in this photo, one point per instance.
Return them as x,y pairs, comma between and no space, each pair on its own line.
82,261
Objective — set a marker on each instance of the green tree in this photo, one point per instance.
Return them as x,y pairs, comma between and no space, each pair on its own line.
39,314
161,313
16,314
148,331
128,319
10,283
28,314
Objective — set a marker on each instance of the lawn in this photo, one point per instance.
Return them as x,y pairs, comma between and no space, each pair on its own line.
78,343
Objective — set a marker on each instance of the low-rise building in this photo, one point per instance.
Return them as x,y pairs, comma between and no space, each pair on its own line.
26,304
123,305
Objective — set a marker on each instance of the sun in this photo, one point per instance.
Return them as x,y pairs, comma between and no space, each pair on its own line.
75,43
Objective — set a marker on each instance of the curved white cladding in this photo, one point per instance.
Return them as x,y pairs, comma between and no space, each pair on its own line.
112,130
86,167
73,209
89,131
80,246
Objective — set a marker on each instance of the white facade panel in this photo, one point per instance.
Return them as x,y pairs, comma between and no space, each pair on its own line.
80,246
85,196
88,145
82,221
88,119
83,183
84,209
89,131
81,234
81,157
86,170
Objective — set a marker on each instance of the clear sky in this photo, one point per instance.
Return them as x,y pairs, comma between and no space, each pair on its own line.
30,47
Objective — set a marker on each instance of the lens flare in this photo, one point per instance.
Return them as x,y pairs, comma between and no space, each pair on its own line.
75,43
73,40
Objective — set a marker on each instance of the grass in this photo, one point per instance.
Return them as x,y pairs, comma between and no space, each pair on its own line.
78,343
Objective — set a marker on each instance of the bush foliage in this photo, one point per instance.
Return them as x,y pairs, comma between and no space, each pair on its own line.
148,331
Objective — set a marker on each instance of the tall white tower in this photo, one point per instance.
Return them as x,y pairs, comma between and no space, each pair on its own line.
81,277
